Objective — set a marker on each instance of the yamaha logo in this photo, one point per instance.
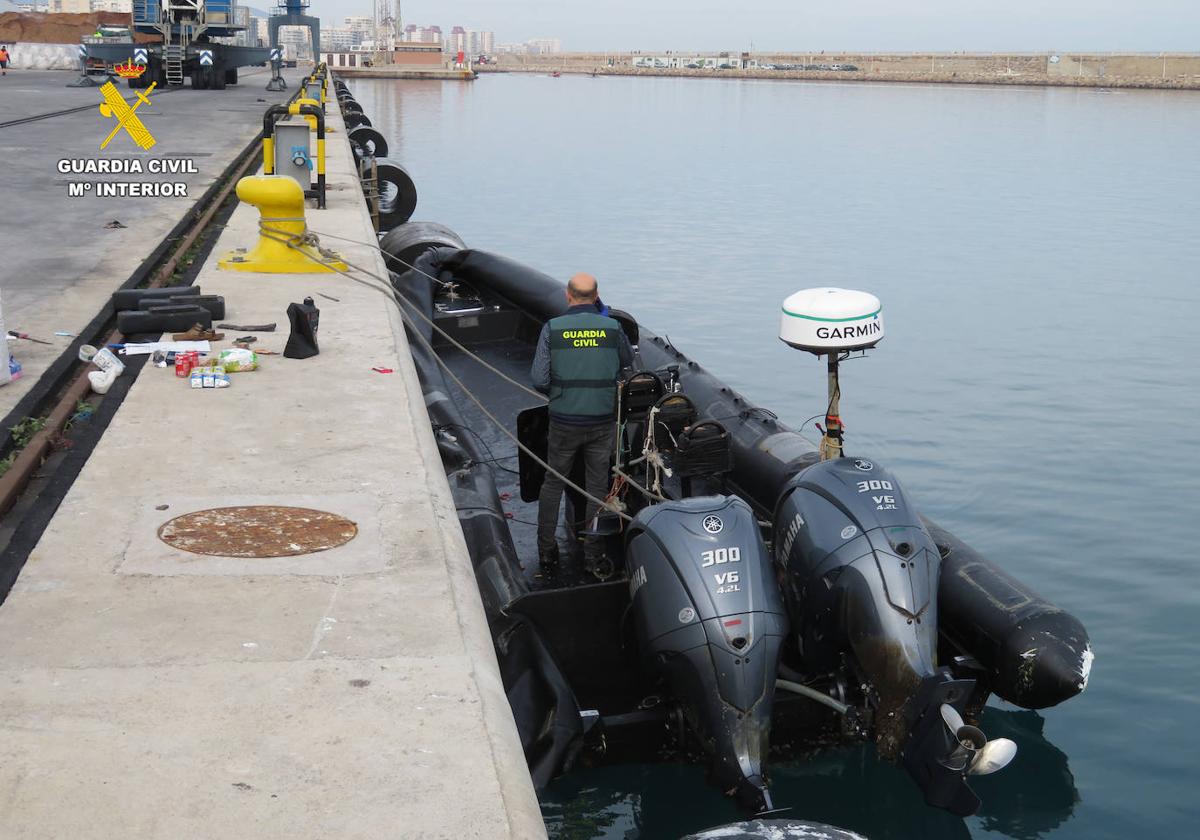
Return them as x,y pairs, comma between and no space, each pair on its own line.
865,466
713,524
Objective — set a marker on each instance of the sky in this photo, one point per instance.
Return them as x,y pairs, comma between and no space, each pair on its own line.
803,25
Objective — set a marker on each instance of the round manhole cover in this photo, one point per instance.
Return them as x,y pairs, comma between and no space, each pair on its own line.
258,531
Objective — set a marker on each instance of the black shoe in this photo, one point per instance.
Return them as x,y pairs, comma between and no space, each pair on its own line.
601,568
548,558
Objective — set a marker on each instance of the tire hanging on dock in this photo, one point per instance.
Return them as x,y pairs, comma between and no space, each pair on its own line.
356,118
397,193
366,141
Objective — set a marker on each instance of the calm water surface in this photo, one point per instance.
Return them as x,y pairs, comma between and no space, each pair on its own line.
1036,252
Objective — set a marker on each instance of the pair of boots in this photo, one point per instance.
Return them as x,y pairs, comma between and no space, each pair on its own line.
597,564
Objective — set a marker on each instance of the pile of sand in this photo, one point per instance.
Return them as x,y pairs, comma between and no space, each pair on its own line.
42,28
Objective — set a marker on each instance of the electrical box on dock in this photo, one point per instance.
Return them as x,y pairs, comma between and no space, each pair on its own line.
292,152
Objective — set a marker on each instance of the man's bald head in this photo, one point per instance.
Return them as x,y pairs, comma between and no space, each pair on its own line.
582,288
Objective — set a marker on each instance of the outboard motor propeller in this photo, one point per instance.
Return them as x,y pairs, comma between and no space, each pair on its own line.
710,620
975,754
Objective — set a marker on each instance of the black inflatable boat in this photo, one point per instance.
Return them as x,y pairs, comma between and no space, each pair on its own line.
755,602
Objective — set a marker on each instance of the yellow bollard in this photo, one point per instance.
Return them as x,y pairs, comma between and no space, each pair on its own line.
282,244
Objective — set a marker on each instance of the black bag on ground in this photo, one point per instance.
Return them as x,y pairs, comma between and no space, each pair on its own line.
302,342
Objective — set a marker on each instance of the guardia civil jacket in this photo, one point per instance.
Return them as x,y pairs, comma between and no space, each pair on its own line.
578,358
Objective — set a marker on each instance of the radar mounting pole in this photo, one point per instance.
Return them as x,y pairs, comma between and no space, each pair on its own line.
831,443
831,322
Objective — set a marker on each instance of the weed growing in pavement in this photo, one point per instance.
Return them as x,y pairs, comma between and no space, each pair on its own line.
22,432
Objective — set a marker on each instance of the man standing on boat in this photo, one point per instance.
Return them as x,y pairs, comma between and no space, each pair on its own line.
579,355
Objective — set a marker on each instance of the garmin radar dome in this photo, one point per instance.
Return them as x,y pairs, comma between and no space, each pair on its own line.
834,323
827,320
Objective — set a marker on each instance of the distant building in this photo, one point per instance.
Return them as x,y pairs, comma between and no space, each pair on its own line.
340,38
108,6
412,55
480,42
542,46
298,38
457,42
415,34
70,6
245,37
261,31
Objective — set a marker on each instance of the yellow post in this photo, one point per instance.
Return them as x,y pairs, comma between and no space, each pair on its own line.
281,247
294,109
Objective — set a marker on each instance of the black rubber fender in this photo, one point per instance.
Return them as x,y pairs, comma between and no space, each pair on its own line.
397,193
123,299
369,140
215,304
403,244
356,118
351,107
163,319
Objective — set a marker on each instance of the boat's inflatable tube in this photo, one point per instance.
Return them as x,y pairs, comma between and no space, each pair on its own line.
538,294
1038,654
402,245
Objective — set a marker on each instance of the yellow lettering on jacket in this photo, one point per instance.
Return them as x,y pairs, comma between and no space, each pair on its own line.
572,334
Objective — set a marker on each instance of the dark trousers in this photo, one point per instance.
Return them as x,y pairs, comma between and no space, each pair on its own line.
566,442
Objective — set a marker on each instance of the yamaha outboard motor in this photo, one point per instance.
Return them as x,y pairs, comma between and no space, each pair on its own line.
710,619
861,583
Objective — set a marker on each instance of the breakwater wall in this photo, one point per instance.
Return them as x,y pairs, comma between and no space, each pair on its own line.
1163,70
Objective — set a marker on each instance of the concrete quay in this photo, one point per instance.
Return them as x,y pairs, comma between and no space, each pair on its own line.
148,692
60,260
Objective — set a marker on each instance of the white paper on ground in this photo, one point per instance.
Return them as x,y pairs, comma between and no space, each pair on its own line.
176,346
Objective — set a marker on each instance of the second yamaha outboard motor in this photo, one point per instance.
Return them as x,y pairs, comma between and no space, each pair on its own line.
861,583
710,620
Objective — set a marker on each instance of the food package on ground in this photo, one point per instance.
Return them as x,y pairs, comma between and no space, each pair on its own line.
238,360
